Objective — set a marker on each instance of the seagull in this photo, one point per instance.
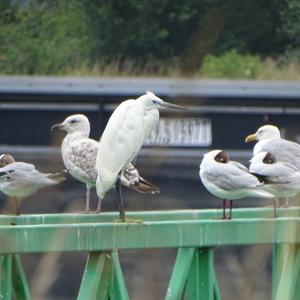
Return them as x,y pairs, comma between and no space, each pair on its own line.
20,179
269,140
283,178
229,180
79,153
128,127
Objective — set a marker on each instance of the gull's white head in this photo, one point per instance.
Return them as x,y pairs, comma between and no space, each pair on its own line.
263,157
261,163
74,123
150,100
219,156
263,133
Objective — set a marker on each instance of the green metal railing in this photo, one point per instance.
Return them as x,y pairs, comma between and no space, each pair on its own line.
194,232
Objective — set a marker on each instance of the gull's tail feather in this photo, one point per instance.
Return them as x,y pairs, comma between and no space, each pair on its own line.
132,179
143,186
261,193
266,180
4,174
57,177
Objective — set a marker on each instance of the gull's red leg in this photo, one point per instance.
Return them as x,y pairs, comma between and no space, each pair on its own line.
224,209
230,209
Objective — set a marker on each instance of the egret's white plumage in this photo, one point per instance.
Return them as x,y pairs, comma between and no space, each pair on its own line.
20,179
229,180
79,153
269,139
128,127
283,178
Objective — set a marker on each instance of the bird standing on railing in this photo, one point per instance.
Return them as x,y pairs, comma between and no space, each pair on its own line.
229,180
282,178
79,153
128,127
20,179
269,139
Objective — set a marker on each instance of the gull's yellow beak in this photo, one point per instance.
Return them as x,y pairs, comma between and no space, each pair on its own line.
250,138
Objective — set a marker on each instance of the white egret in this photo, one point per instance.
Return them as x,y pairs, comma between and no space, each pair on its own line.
79,153
20,179
128,127
229,180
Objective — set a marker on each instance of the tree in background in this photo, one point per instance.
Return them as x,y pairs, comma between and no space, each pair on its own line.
54,37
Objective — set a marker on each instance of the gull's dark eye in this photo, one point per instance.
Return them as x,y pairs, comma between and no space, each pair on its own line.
73,121
154,101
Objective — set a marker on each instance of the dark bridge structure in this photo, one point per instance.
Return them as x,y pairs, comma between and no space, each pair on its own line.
220,115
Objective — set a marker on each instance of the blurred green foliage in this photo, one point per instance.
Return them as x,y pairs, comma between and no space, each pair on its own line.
55,36
231,65
44,37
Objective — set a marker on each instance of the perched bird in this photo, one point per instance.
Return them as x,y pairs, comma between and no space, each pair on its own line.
128,127
20,179
269,140
282,178
229,180
79,153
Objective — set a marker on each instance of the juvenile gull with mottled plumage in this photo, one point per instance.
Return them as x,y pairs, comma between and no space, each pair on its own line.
79,153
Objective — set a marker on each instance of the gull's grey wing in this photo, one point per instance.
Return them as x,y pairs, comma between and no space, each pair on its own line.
279,172
239,165
26,167
284,150
82,155
231,177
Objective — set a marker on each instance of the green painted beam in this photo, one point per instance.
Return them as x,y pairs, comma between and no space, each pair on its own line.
297,288
117,288
6,277
162,234
200,283
147,216
19,280
96,277
278,252
217,291
289,273
180,273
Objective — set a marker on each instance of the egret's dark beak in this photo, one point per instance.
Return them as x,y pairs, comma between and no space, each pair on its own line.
59,126
173,106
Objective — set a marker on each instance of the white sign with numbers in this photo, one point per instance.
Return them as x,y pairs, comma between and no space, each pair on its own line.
181,132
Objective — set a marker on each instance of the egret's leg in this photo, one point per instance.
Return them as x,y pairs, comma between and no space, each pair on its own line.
286,204
275,207
230,209
87,200
98,210
17,205
120,198
224,209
